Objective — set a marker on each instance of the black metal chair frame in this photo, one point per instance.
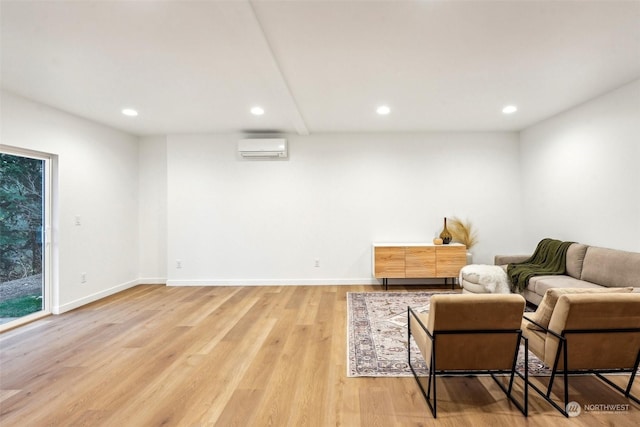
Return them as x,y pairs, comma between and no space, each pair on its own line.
564,343
434,372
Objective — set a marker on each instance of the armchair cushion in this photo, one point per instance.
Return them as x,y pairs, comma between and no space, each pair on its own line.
596,350
543,313
589,333
470,312
467,334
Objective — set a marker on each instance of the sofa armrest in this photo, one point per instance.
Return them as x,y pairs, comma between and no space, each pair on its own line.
508,259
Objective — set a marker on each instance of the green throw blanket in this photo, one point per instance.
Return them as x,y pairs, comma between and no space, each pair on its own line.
550,258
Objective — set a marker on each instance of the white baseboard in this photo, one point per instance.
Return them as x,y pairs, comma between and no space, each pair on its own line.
152,281
273,282
63,308
214,282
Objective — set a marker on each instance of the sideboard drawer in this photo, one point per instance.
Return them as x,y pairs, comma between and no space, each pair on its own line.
420,261
389,262
449,260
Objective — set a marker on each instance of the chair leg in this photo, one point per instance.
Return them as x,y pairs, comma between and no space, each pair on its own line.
565,374
524,407
566,378
633,377
433,371
627,391
426,394
433,378
545,396
526,377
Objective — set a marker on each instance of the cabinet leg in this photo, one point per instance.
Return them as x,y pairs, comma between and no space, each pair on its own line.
453,282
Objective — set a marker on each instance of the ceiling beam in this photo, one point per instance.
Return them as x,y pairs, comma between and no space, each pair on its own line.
244,18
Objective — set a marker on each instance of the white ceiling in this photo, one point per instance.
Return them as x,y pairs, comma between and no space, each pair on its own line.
317,66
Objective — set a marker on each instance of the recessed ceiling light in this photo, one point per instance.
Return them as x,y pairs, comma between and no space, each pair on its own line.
509,109
129,112
383,110
257,111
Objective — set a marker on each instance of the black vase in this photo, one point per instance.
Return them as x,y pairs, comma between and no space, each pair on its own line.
445,235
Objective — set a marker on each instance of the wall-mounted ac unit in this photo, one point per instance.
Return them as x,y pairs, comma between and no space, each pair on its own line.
262,147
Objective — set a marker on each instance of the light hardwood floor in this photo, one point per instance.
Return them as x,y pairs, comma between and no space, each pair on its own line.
237,356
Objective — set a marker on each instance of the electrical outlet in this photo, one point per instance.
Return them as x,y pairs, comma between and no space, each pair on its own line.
83,277
178,263
317,263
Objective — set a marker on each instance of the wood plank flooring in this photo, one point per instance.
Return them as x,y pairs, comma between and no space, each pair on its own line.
237,356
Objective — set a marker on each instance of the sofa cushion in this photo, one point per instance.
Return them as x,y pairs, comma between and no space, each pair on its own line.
540,284
543,313
575,259
610,267
532,297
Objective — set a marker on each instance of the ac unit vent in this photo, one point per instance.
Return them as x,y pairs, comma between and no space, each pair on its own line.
262,148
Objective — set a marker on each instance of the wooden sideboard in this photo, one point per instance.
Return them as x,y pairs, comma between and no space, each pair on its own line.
417,260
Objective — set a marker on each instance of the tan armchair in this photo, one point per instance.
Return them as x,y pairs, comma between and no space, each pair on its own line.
469,334
588,333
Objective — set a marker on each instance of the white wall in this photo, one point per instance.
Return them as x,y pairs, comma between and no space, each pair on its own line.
234,221
97,180
152,169
144,203
581,173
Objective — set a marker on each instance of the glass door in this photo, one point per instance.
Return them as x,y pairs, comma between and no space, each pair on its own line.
24,248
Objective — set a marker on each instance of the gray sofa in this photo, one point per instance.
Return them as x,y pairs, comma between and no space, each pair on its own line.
587,267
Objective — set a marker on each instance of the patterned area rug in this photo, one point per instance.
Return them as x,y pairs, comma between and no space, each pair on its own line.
377,335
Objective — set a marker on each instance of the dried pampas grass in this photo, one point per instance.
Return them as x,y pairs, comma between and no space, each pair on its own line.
462,232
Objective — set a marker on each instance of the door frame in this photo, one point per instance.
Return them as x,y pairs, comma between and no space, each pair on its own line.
49,291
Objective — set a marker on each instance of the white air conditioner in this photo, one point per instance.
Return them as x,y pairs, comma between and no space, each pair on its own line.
262,147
